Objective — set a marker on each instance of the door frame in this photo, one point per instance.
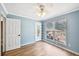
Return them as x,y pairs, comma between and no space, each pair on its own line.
3,34
38,31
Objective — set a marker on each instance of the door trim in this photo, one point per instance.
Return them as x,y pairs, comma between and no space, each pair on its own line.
3,28
1,38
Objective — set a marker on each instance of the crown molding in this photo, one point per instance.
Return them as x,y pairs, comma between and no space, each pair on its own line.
4,9
20,16
73,10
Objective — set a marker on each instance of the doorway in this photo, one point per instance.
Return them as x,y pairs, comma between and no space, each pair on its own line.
2,35
38,30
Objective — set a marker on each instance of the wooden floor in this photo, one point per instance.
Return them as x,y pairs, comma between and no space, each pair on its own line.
39,48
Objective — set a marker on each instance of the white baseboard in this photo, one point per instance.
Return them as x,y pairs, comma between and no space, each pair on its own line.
63,48
72,51
30,43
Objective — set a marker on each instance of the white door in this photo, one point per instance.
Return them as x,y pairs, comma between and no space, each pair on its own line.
37,31
13,28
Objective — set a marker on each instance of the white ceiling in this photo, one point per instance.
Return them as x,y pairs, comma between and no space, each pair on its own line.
30,9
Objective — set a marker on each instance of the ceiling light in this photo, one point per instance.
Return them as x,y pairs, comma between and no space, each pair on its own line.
41,10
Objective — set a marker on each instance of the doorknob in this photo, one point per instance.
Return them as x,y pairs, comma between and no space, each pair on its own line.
19,35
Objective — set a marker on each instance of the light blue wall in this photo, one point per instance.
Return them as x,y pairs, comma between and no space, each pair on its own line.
27,29
73,30
72,40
